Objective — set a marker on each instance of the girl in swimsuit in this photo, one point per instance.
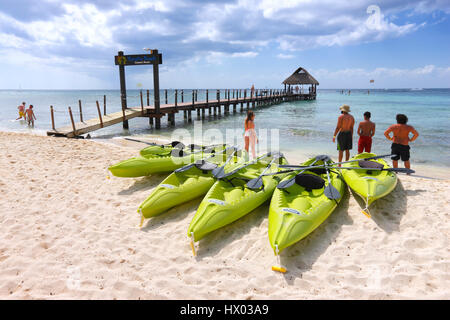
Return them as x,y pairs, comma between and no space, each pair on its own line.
250,133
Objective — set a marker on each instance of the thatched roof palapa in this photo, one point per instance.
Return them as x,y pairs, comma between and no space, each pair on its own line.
300,76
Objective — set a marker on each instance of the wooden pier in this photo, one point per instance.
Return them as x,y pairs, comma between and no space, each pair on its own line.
234,101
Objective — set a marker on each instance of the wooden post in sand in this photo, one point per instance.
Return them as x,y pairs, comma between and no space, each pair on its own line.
71,120
100,115
53,117
81,111
104,105
142,103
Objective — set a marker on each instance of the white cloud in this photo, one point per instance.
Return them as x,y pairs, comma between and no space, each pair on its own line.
425,76
285,56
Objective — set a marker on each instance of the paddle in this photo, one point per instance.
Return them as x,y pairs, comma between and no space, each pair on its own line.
401,170
287,183
221,174
336,163
220,170
187,167
257,183
330,191
174,144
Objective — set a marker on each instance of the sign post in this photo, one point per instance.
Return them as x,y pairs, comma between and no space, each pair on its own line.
154,59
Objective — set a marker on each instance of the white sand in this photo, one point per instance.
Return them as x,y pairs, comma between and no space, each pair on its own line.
69,232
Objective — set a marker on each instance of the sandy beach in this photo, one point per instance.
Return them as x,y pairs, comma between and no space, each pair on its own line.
69,232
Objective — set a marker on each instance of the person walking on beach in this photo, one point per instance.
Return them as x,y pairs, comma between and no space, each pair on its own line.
344,132
22,111
366,130
250,134
400,140
30,115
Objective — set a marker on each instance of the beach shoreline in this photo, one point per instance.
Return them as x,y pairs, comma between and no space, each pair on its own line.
69,232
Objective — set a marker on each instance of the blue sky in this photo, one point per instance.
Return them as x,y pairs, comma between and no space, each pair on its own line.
53,44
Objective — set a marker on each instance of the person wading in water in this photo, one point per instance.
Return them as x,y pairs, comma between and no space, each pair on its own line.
344,132
250,134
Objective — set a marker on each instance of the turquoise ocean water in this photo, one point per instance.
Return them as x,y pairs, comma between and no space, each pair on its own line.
305,126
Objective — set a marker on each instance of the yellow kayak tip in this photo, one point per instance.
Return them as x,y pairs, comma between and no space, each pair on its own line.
279,269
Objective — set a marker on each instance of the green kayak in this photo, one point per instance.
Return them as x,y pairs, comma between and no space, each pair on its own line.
160,149
183,186
370,185
230,198
140,166
297,210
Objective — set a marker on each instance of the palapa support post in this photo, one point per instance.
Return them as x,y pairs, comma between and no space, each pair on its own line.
81,110
53,117
73,123
123,90
100,114
104,104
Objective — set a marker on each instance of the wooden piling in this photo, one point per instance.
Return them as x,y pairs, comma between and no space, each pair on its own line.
142,103
71,120
104,105
100,114
165,95
176,98
148,98
53,117
81,111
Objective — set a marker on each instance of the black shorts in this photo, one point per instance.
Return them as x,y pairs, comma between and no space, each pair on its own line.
401,150
345,140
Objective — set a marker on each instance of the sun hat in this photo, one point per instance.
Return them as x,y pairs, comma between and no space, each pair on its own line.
345,108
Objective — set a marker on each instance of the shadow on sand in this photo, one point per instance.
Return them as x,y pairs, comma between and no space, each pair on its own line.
388,211
301,257
144,183
214,242
172,215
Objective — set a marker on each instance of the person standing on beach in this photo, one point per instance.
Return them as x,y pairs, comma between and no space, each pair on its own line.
344,132
22,111
30,115
252,90
366,130
250,135
400,140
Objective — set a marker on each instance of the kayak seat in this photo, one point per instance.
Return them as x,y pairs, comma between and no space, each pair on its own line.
309,181
318,171
178,144
205,165
370,165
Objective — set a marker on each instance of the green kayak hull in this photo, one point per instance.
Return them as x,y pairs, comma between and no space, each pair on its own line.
296,212
228,200
369,185
180,187
144,166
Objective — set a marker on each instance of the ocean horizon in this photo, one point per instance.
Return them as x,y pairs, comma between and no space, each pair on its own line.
305,127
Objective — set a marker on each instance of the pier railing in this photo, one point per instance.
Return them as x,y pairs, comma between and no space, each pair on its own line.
215,102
